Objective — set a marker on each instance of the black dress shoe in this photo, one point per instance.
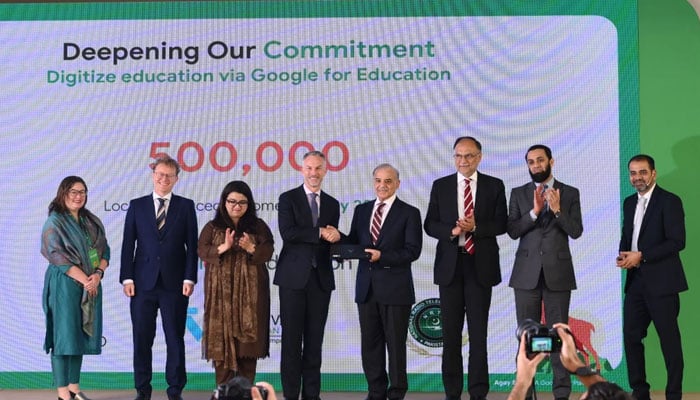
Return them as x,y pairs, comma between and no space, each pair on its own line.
142,396
174,397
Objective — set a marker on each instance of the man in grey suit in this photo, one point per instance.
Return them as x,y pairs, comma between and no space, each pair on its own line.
543,214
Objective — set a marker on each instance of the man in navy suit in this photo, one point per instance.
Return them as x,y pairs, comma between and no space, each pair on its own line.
467,210
390,229
158,272
543,215
308,223
653,234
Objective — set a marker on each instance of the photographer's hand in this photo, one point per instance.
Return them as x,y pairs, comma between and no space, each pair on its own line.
569,355
255,393
525,371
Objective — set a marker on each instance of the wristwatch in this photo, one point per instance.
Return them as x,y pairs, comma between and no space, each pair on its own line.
557,214
585,371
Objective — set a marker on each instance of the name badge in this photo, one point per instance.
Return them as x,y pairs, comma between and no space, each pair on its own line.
94,257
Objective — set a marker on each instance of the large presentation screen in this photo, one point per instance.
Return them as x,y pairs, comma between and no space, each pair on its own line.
240,91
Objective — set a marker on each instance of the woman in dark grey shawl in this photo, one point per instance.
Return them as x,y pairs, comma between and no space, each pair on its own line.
73,241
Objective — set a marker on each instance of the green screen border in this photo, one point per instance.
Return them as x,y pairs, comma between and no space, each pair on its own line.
622,13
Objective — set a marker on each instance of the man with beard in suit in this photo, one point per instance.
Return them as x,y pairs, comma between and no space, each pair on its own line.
543,215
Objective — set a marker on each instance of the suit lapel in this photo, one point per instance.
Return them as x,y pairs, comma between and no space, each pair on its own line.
452,197
651,207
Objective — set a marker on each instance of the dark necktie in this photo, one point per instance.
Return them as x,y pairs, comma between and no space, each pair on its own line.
314,207
160,215
377,222
468,206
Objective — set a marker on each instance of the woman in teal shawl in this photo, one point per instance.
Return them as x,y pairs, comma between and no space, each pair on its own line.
73,241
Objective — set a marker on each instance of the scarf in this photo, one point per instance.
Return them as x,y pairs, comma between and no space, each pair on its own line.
67,242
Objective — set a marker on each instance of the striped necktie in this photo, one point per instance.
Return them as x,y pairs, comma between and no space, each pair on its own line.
468,207
160,215
377,222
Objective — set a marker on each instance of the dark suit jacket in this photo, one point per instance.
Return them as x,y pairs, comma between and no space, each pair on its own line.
491,216
661,238
544,243
147,253
400,241
301,240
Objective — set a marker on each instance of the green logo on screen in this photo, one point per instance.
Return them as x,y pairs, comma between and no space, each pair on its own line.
425,324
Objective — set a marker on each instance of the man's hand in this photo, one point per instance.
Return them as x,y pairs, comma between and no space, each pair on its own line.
129,290
527,367
374,254
553,196
538,199
464,224
187,289
629,259
569,355
525,371
330,234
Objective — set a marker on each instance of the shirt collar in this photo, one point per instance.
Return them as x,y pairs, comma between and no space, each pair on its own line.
461,178
549,182
387,203
647,195
307,191
167,197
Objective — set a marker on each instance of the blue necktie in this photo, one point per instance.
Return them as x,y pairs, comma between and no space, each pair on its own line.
314,207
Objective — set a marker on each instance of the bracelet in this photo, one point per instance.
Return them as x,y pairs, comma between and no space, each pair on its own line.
100,272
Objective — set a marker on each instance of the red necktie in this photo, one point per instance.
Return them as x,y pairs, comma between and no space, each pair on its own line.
376,223
468,207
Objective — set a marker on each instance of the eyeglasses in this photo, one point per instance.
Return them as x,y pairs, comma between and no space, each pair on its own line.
161,175
234,203
76,193
468,156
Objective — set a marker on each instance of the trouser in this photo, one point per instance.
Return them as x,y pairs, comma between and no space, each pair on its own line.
66,369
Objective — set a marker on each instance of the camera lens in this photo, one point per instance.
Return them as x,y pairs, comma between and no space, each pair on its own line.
528,325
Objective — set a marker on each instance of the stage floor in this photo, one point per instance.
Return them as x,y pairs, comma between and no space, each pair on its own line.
129,395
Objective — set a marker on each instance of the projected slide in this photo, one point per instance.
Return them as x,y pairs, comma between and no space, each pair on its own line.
244,99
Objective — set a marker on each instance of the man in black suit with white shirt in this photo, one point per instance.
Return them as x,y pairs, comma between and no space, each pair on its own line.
390,229
308,222
653,234
467,210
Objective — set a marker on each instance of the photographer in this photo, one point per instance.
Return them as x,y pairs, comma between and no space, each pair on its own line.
527,367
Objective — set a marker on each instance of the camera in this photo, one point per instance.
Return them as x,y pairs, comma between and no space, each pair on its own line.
238,388
538,338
